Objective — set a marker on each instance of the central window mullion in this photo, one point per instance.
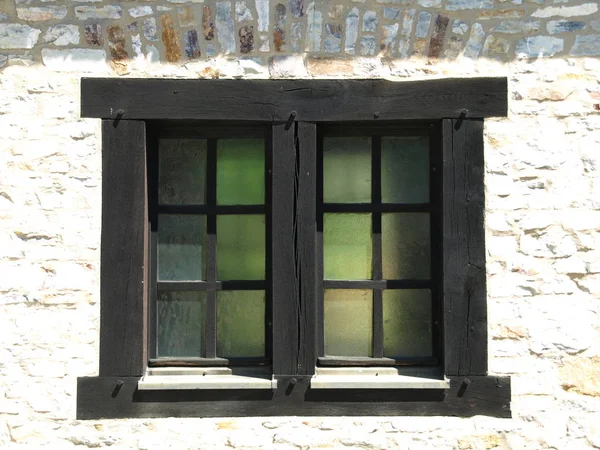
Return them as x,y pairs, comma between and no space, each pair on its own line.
210,336
377,273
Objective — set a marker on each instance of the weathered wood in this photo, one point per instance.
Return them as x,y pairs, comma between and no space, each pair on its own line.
123,249
306,191
312,100
101,397
465,310
285,302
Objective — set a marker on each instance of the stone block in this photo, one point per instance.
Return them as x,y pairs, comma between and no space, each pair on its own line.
42,13
564,26
14,35
580,374
585,9
62,34
102,12
75,60
539,46
586,46
459,5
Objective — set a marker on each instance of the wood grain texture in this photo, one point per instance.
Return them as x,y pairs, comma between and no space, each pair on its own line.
283,275
465,298
101,397
306,192
274,100
124,220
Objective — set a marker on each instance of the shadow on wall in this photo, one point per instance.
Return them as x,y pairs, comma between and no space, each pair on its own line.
86,38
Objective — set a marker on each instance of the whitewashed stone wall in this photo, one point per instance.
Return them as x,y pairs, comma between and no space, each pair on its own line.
542,215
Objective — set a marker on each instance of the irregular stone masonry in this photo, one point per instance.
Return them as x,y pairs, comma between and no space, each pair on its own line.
542,178
177,31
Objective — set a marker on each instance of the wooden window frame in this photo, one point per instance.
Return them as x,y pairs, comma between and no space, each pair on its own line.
128,108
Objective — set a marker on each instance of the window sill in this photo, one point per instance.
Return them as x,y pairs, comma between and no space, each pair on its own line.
378,378
209,378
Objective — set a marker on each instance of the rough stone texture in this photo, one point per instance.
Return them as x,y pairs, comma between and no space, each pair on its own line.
542,178
586,46
225,27
42,13
18,36
169,38
537,46
62,34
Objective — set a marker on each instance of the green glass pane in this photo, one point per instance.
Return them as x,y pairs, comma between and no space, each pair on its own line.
182,171
241,247
405,169
406,249
240,323
180,323
347,246
241,172
407,323
348,322
181,247
347,170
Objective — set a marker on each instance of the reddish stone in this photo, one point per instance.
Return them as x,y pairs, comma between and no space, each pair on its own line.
278,39
436,43
116,43
170,39
246,34
93,34
207,22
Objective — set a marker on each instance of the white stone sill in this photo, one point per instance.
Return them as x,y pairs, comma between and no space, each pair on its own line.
187,378
378,378
184,378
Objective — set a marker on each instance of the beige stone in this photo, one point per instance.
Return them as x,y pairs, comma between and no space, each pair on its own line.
581,375
329,67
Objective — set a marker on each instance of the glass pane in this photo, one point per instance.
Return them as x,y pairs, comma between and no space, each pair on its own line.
406,246
241,247
347,170
347,246
348,322
407,322
240,323
241,172
182,171
180,321
181,247
405,169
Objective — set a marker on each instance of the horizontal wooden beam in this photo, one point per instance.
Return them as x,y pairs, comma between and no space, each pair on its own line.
283,100
113,397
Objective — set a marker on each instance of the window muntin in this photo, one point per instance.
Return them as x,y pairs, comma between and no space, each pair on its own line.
377,207
210,223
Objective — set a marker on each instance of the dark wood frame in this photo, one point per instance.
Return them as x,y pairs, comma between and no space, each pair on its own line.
210,209
376,207
293,107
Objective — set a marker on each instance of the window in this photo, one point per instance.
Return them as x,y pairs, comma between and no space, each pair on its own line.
335,241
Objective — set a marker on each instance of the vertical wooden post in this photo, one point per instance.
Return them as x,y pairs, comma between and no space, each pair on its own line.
123,247
465,297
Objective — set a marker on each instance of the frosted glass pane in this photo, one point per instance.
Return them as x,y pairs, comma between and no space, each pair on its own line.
347,170
406,248
241,172
347,246
181,247
348,322
405,169
240,323
407,322
182,171
180,321
241,247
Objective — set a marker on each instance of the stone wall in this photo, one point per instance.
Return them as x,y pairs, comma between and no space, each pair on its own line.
542,204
